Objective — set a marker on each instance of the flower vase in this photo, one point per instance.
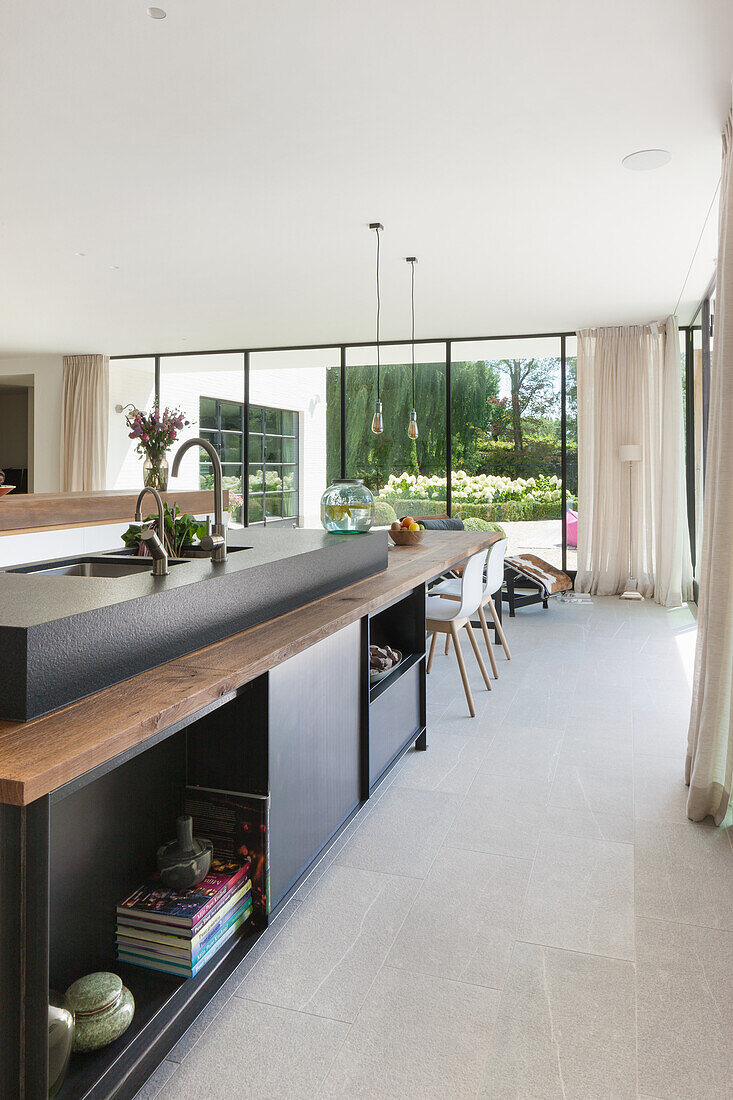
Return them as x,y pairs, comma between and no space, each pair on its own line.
155,473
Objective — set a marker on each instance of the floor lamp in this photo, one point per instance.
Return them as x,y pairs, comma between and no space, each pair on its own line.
630,453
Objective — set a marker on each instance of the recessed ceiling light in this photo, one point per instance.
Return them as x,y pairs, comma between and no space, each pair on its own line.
115,267
647,159
80,253
157,13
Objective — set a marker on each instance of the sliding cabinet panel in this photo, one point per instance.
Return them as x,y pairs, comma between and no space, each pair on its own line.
314,749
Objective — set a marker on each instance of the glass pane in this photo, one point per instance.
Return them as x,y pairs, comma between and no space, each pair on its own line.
206,474
255,509
299,386
506,447
571,431
231,470
131,382
289,450
273,449
255,448
289,504
231,447
231,416
274,504
212,436
207,412
407,476
290,477
699,441
273,421
256,479
195,384
256,419
273,478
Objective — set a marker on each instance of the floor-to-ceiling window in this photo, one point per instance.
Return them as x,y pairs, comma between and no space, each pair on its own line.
294,402
131,382
407,476
506,440
209,389
497,430
572,503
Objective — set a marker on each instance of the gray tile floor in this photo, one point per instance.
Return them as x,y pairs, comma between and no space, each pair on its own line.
523,911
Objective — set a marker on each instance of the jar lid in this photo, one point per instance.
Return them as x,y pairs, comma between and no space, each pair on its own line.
94,993
347,481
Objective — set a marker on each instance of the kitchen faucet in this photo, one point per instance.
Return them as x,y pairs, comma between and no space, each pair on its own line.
216,542
150,538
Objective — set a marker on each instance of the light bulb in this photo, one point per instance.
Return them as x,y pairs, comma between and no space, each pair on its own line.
412,426
378,421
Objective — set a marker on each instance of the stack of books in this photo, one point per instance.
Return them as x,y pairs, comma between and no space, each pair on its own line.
179,933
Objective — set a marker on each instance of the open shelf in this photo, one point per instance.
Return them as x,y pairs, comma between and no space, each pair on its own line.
407,662
104,836
164,1007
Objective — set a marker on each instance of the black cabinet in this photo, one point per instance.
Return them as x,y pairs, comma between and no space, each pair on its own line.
314,741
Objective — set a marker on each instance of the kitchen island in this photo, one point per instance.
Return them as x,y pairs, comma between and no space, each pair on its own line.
283,709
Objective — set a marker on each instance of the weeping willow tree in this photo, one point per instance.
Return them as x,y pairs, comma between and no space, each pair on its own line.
374,458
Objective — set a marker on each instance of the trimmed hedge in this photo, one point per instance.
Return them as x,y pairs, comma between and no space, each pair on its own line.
502,511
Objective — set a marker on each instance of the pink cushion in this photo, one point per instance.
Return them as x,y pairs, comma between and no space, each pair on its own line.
571,527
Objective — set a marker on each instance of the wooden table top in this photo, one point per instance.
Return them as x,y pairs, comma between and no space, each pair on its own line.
26,512
39,756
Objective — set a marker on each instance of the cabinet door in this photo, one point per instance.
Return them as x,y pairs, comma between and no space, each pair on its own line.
314,751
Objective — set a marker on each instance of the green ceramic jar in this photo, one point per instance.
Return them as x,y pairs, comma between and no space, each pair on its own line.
103,1009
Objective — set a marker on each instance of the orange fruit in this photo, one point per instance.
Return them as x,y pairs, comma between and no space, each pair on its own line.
407,521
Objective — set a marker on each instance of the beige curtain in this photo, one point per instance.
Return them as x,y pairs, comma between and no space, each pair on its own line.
630,392
84,422
709,767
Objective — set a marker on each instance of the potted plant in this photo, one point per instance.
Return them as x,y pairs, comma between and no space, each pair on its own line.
155,433
180,538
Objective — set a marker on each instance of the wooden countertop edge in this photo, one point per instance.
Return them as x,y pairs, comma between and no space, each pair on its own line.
39,756
28,512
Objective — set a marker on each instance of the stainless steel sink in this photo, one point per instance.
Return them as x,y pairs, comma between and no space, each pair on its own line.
94,566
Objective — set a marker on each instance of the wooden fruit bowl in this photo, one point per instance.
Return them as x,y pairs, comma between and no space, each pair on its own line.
406,538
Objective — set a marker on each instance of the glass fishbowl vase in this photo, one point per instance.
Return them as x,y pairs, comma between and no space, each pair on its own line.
347,507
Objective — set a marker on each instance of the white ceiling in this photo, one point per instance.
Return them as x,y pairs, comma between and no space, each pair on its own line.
218,168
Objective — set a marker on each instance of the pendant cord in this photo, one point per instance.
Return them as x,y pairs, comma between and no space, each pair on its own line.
379,309
412,293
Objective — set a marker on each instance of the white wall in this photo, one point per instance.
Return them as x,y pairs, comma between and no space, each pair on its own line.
44,373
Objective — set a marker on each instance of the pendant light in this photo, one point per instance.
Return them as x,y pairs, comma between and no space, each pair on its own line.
412,426
377,419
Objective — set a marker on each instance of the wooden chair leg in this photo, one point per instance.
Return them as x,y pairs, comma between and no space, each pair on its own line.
447,644
499,628
431,654
479,658
487,639
462,668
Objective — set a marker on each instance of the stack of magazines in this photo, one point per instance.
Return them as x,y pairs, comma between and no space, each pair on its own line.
179,933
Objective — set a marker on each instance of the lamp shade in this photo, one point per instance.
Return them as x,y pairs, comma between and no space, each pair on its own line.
630,452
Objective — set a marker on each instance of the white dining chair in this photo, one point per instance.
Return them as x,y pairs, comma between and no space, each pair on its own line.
493,580
449,616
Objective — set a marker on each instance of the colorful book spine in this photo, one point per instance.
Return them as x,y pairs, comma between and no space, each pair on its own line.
184,949
178,968
155,929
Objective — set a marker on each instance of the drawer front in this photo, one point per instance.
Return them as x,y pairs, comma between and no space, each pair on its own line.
394,719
